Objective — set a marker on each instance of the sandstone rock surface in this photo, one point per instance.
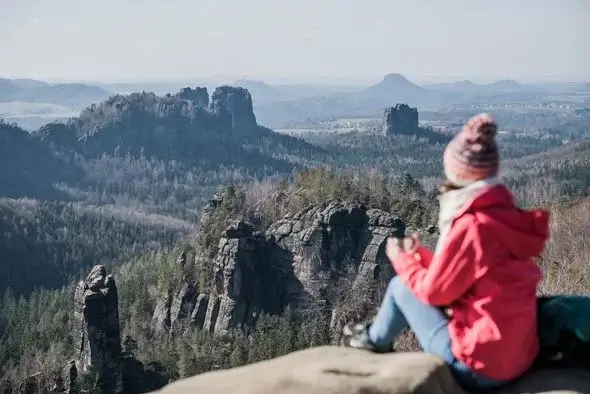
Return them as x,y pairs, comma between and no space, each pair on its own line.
331,370
96,329
236,103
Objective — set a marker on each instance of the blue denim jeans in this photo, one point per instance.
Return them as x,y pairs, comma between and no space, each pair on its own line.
401,309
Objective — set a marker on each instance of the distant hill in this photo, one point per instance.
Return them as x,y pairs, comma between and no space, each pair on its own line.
72,95
394,87
459,86
28,167
264,93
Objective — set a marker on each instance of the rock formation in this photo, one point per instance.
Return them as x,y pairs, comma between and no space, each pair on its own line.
299,261
98,343
144,123
401,120
326,370
138,378
56,381
199,96
326,245
236,103
96,329
244,284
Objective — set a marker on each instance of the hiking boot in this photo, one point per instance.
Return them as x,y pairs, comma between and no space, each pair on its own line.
357,336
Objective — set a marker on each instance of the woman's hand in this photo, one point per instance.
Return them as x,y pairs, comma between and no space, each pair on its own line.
395,246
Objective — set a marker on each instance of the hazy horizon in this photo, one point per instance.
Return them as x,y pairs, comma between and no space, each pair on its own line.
306,42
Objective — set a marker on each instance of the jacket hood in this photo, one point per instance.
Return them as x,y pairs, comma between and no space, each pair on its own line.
524,233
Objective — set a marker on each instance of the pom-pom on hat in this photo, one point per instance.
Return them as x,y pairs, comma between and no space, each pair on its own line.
473,154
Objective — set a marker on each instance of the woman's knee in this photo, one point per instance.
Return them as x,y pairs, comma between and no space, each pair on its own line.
394,284
398,289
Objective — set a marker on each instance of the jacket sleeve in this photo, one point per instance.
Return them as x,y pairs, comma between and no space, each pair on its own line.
451,271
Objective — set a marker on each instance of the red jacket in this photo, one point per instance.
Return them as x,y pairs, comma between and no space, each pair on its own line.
486,276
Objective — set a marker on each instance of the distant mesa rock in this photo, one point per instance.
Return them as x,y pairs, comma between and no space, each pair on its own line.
236,102
331,370
299,260
96,329
401,120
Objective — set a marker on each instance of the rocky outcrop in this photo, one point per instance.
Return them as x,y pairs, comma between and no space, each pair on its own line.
140,378
307,261
69,377
334,252
161,317
401,120
236,104
199,96
57,381
326,370
96,329
214,202
98,343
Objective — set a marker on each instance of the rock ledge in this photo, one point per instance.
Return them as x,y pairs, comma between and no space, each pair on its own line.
331,370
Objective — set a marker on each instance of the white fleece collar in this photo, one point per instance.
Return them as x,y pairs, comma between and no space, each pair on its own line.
453,201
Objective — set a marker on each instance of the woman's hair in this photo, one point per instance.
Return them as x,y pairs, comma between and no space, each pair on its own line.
447,185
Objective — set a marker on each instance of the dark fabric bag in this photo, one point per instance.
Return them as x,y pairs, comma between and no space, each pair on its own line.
564,332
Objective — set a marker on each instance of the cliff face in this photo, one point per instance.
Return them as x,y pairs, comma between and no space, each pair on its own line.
299,262
236,104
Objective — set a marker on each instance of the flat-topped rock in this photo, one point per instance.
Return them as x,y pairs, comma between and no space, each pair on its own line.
331,370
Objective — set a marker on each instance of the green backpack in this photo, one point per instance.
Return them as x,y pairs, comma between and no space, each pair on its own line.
564,331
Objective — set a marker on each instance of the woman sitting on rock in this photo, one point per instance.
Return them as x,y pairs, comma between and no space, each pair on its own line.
473,301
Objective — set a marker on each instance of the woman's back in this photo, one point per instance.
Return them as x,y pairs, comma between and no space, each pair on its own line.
494,323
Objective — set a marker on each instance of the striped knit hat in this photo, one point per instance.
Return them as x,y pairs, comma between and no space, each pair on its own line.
473,154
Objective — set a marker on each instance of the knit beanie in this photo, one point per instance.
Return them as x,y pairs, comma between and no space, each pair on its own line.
473,154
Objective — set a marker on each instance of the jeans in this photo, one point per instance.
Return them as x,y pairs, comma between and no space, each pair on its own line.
402,309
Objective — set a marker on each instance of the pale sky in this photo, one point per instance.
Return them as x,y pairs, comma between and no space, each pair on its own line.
297,39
